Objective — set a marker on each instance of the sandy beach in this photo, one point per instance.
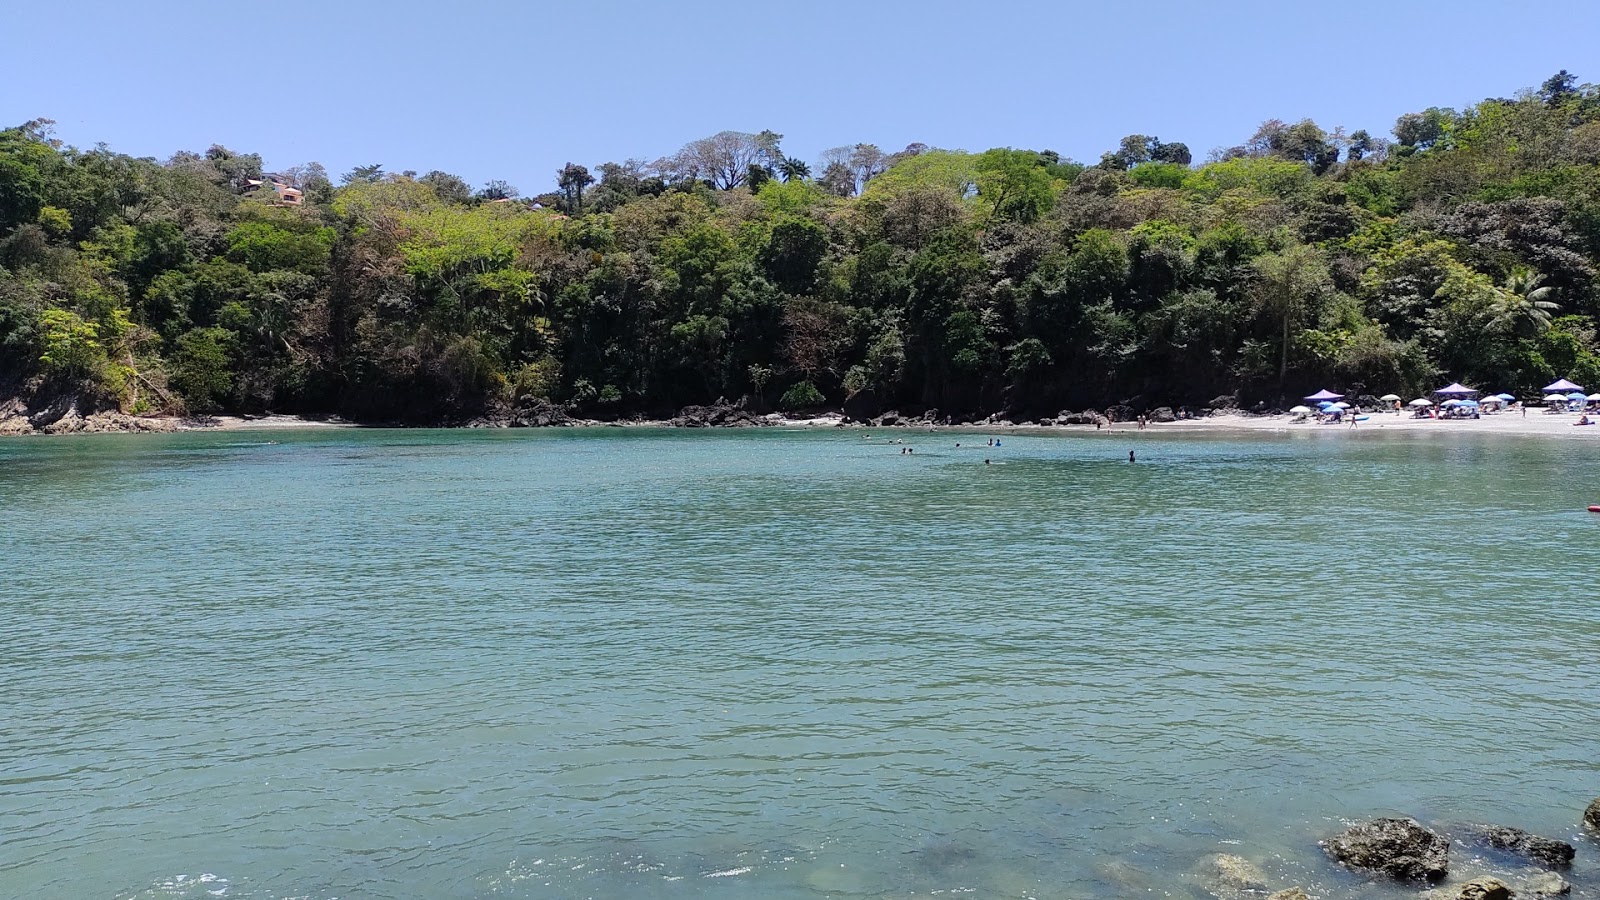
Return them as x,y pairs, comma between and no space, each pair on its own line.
263,423
1536,422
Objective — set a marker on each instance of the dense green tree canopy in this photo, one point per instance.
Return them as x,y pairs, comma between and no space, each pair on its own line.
1468,247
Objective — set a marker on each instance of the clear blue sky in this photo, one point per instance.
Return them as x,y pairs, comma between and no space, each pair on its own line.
515,89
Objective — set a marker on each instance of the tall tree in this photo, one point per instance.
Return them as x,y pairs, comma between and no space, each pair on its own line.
724,159
793,169
572,179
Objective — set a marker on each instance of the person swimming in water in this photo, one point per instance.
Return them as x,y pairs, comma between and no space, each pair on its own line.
986,462
1130,456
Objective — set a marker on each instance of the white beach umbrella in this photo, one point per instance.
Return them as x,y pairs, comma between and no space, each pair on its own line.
1389,398
1421,402
1299,410
1554,398
1342,405
1595,396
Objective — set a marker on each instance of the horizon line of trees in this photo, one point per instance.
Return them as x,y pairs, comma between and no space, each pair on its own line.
1465,246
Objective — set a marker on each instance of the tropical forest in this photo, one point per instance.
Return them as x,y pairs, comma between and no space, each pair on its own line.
1456,244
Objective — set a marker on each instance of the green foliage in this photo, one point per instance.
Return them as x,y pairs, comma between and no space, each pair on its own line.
69,345
1013,184
802,396
263,246
1159,175
201,370
954,280
793,252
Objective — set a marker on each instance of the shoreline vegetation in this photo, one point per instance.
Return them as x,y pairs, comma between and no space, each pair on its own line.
1536,422
1007,284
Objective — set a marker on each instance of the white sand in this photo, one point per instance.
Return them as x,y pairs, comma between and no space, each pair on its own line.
1536,422
263,423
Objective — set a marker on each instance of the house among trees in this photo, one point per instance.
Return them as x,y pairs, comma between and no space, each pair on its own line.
288,194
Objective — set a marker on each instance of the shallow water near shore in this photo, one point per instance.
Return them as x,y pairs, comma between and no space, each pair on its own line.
780,664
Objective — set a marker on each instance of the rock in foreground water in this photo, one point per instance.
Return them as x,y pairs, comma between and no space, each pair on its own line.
1591,816
1545,885
1230,877
1399,848
1542,850
1485,889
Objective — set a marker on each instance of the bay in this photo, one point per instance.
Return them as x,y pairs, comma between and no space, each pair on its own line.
650,663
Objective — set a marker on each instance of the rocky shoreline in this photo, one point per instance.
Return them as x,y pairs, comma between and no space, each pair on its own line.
1505,863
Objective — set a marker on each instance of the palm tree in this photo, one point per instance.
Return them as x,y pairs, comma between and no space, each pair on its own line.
791,169
1523,306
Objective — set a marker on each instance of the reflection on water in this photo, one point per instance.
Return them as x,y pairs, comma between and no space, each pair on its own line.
770,664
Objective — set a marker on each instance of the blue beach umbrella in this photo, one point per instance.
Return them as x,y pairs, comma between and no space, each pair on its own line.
1577,395
1506,397
1468,403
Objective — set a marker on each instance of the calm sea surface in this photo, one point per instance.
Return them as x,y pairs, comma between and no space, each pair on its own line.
633,663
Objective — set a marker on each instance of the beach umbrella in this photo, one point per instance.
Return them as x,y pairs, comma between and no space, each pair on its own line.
1506,397
1420,402
1342,405
1562,387
1456,390
1576,395
1389,398
1300,410
1451,402
1554,398
1325,395
1593,397
1466,403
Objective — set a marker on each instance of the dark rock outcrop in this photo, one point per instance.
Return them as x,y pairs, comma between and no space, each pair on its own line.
537,414
1399,848
1545,851
1163,414
722,415
1591,816
863,405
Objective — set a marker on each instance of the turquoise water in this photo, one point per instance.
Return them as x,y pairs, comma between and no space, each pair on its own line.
630,663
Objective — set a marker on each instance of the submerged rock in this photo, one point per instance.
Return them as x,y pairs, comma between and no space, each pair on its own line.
1485,889
1542,850
1591,816
1293,893
1230,877
1399,848
1545,885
